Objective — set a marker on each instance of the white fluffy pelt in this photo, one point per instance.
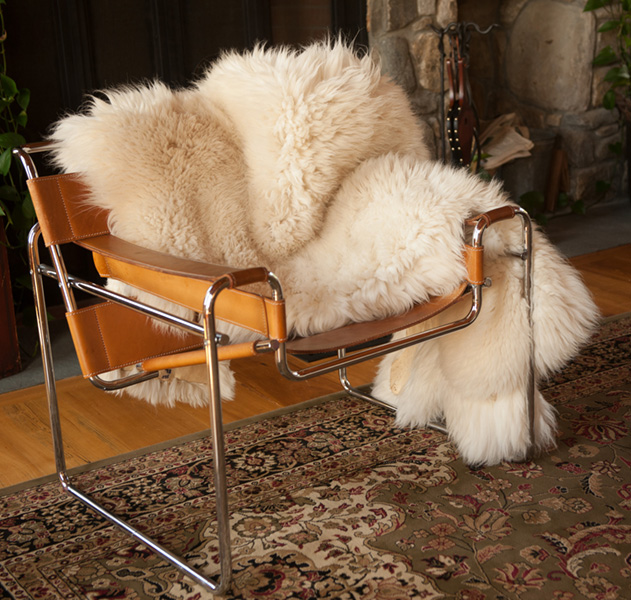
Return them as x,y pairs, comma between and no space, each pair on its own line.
314,165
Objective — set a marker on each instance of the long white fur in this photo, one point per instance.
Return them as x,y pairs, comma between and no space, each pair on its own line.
314,165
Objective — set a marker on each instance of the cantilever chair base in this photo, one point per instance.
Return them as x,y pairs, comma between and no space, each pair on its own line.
215,292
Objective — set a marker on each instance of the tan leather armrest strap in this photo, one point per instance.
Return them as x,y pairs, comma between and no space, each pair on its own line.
360,333
62,209
110,246
186,282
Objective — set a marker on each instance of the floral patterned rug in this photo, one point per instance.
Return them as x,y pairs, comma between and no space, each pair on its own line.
332,501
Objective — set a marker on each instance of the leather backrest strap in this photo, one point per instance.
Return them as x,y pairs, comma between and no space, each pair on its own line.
62,209
65,215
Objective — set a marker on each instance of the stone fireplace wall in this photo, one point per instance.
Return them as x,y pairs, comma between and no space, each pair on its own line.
537,63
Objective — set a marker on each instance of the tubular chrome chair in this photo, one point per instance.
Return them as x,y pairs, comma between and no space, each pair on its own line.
215,293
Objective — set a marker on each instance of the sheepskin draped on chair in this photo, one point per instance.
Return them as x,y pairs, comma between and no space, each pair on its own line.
313,165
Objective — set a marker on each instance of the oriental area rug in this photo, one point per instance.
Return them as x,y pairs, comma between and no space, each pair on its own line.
330,500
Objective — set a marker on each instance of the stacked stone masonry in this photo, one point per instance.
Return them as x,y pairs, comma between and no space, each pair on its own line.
536,63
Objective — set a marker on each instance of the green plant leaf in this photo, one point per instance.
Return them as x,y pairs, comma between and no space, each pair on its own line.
8,86
578,208
563,200
609,100
532,201
603,186
618,75
11,140
22,118
609,25
21,225
616,148
28,210
25,281
605,57
9,194
29,318
7,216
541,219
24,98
594,4
5,162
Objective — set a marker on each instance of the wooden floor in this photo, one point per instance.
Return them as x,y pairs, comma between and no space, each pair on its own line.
98,425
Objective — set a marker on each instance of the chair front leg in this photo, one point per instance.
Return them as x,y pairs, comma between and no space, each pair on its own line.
527,258
47,354
217,433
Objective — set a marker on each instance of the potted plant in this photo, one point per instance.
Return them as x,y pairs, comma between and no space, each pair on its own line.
16,211
617,56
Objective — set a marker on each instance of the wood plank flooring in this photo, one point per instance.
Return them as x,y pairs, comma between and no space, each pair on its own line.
607,274
99,425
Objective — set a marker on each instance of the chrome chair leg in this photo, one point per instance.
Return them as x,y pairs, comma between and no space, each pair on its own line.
46,352
217,433
531,385
357,393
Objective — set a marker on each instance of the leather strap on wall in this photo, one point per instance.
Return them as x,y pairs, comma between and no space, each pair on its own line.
62,210
108,336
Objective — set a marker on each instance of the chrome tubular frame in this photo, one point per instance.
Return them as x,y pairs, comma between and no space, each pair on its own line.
344,361
531,382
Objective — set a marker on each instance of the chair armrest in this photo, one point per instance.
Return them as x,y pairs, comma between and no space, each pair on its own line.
186,282
495,215
111,247
474,252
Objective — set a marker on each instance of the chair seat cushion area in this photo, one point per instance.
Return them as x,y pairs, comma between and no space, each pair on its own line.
314,166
